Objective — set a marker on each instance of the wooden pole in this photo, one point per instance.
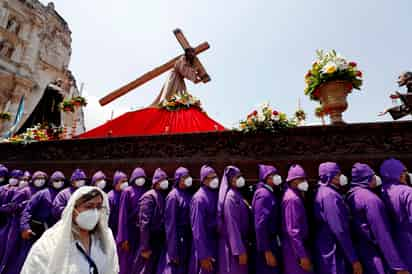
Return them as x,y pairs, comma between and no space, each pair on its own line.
147,77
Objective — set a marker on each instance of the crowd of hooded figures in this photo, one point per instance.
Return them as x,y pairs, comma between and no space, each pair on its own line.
221,226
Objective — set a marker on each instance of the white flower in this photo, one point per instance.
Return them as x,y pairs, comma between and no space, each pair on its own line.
330,68
261,117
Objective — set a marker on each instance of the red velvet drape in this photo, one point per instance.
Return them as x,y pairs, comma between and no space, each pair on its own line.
153,121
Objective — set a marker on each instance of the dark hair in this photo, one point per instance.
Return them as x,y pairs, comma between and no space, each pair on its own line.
88,196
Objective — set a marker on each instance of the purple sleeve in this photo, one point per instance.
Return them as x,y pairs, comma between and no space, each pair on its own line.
123,232
27,212
145,217
232,221
200,237
378,220
407,201
59,204
336,216
170,225
293,211
262,214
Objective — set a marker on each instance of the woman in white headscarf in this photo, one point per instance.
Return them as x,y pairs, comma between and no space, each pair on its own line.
81,242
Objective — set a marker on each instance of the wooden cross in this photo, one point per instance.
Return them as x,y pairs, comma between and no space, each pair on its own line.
162,69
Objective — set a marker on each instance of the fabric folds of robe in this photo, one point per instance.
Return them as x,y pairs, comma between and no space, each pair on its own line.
295,232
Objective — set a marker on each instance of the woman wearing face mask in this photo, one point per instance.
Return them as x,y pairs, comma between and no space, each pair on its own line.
266,215
119,184
7,208
77,180
17,247
99,180
25,179
397,197
128,234
81,242
234,226
175,257
151,224
295,232
371,226
203,219
334,251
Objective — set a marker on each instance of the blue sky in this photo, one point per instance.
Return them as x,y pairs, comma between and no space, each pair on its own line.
260,50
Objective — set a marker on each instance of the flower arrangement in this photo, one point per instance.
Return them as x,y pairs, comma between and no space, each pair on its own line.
67,105
36,134
181,101
5,116
265,118
331,66
79,101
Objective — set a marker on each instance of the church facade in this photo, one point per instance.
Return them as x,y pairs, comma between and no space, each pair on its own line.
35,51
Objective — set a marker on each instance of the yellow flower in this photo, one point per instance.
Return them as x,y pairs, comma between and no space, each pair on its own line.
250,121
242,125
331,69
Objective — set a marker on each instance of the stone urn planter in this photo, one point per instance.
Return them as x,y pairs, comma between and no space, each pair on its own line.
332,96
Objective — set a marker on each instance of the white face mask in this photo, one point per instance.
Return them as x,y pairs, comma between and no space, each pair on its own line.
79,183
303,186
88,219
240,182
123,186
140,181
188,182
23,183
277,180
58,184
343,180
164,184
214,184
378,180
101,184
39,182
13,181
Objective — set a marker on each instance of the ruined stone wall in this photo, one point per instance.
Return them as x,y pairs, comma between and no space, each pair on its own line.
35,51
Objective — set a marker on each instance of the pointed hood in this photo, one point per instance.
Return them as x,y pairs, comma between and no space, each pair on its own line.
328,171
77,175
205,171
265,171
4,172
138,172
99,175
16,173
362,175
118,176
180,172
391,171
296,172
159,175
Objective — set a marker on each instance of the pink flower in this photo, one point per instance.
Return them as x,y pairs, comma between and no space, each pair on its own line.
359,73
255,113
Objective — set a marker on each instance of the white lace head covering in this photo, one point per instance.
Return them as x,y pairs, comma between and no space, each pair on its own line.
62,234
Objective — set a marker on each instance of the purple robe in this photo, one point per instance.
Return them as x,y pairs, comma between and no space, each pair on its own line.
16,248
266,215
128,229
114,202
234,225
295,233
334,251
61,200
370,224
203,218
151,223
398,200
178,229
7,209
